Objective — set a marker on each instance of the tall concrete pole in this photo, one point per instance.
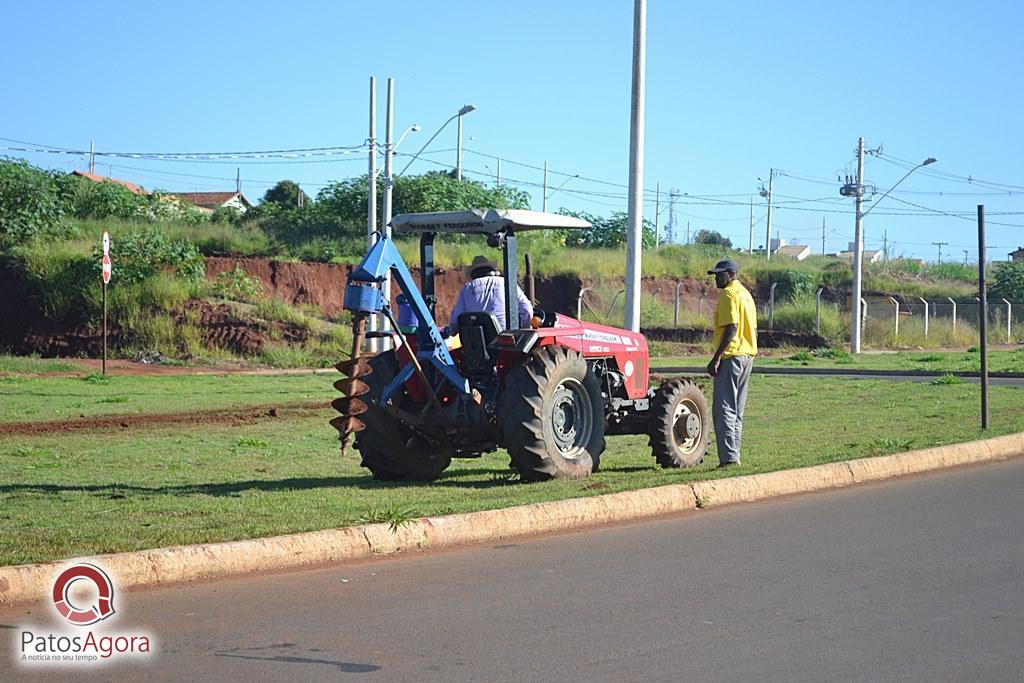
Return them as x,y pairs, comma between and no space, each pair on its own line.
858,253
634,236
544,204
389,154
458,151
768,225
750,245
371,202
657,215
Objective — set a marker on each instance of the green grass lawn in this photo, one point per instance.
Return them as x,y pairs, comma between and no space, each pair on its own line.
63,495
34,364
31,399
939,361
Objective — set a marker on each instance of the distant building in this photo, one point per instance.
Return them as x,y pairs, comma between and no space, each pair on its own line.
132,187
208,202
797,251
1017,255
870,256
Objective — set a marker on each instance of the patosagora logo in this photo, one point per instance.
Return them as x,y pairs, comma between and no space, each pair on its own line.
78,616
83,597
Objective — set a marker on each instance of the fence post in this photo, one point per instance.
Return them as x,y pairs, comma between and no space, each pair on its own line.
925,316
675,312
817,310
897,323
771,306
1009,318
700,306
954,317
579,303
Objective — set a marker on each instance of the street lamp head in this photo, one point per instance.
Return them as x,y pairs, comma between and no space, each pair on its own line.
415,128
929,160
466,109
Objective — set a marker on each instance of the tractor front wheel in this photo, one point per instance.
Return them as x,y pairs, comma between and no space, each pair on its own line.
679,429
388,449
551,416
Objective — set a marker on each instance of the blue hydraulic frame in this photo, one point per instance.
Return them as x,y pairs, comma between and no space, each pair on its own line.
363,294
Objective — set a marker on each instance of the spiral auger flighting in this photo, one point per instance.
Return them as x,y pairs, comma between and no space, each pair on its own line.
349,406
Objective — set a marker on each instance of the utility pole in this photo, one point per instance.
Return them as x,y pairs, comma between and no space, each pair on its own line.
371,203
965,257
657,215
545,195
767,194
750,244
940,245
672,194
822,236
635,210
885,245
858,252
92,156
687,232
238,180
498,183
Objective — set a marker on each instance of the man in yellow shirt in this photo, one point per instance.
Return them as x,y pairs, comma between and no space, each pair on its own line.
735,344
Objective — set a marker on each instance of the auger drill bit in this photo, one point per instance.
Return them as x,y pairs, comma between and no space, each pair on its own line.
349,406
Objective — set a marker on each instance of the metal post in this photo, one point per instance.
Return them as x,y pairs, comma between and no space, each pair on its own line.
925,301
817,310
954,317
700,306
983,316
675,310
822,236
531,285
635,209
771,306
371,202
896,325
498,182
104,327
1009,317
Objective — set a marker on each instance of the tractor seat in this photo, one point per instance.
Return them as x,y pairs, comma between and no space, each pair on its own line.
478,333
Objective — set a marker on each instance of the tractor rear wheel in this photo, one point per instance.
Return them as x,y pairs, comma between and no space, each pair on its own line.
390,450
679,429
551,416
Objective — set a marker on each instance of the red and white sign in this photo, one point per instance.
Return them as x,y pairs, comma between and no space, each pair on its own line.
107,268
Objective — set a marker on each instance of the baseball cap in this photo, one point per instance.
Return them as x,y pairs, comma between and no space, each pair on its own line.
722,266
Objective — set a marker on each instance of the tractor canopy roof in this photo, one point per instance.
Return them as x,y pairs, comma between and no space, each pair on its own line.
484,221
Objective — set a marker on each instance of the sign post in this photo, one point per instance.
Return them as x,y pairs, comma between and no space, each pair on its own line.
106,279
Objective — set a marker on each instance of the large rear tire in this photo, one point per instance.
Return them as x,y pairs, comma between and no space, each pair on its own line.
680,430
551,416
388,449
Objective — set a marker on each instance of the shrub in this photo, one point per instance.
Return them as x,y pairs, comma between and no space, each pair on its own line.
238,285
800,316
30,203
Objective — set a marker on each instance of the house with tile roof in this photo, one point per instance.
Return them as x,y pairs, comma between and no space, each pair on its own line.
208,202
797,251
1017,255
132,187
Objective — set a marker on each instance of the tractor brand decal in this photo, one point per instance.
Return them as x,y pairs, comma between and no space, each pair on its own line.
599,349
594,335
83,597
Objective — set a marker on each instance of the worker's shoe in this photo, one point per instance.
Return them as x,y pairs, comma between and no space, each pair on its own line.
726,465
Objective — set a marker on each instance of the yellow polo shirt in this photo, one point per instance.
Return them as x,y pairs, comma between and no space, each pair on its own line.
736,307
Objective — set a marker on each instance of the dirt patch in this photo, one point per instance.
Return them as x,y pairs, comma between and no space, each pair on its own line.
239,416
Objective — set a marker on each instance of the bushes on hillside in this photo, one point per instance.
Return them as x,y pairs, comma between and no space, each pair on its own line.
31,203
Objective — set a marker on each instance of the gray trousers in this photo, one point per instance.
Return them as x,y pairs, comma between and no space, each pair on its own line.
727,405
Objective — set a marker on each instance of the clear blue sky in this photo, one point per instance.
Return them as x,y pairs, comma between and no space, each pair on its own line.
733,89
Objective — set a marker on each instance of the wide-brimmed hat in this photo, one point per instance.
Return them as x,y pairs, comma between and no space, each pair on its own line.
481,263
722,266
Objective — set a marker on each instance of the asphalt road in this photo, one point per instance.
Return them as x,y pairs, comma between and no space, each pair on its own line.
919,578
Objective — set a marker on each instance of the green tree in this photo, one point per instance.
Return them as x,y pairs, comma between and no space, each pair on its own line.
608,232
711,237
1008,281
30,202
286,193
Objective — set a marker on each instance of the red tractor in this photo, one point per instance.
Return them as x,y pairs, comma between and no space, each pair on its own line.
548,393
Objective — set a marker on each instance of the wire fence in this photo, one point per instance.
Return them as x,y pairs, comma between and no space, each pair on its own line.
890,322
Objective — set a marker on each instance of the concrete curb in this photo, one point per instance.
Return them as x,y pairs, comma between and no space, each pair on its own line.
24,583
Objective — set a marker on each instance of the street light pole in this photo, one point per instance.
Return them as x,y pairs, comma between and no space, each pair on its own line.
459,114
858,236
